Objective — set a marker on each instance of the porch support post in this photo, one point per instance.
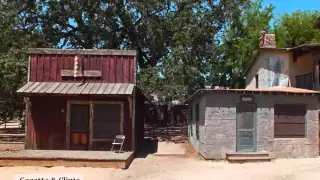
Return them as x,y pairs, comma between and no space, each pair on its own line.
134,138
315,71
26,118
68,127
90,126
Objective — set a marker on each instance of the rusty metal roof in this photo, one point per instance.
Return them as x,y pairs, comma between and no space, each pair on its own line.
269,90
75,88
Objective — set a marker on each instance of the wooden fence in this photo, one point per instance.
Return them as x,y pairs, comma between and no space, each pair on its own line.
166,122
163,115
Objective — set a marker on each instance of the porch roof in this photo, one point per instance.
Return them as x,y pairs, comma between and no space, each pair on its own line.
76,88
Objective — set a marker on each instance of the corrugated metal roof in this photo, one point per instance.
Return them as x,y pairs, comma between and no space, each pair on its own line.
76,88
276,89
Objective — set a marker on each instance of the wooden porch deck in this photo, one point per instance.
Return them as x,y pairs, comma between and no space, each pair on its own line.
49,158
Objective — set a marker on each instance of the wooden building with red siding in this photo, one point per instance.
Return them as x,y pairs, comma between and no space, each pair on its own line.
81,99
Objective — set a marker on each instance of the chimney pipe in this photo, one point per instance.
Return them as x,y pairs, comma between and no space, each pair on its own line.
267,40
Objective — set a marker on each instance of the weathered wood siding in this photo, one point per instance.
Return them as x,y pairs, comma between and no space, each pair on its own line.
114,69
46,123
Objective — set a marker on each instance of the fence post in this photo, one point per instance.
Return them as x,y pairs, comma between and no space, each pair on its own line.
167,129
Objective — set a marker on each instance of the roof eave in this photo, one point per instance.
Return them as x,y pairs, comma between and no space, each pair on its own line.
244,91
106,52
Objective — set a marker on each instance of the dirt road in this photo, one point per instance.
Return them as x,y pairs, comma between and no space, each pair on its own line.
165,168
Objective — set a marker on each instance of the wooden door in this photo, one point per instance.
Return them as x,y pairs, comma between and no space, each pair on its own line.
79,126
246,127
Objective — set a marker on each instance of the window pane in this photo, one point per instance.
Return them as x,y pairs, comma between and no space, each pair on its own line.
245,120
106,122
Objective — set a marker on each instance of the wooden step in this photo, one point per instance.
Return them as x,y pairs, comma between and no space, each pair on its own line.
249,159
247,154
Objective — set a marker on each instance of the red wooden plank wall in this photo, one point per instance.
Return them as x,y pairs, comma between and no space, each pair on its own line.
46,123
114,69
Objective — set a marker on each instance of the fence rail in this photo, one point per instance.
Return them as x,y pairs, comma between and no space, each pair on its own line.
166,123
305,81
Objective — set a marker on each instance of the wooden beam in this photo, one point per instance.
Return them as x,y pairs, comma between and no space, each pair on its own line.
87,73
106,52
315,70
27,113
29,70
91,127
133,106
68,126
12,135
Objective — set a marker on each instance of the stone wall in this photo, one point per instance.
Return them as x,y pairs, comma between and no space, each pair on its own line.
220,126
197,144
221,123
287,147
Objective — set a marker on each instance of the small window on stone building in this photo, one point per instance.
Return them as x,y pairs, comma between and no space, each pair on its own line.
190,118
257,81
289,120
197,120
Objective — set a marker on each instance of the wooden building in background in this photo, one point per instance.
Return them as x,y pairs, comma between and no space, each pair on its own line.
82,99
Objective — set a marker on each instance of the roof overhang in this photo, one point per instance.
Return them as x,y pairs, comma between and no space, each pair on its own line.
76,88
106,52
305,47
271,90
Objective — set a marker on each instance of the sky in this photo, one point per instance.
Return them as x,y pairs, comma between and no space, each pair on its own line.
289,6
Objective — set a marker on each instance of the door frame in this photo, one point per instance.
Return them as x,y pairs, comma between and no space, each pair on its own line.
254,130
68,120
90,128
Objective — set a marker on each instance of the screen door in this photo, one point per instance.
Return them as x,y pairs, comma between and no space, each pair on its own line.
79,126
246,127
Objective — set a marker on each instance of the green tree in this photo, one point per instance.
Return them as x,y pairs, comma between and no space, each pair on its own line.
14,42
177,41
293,29
192,34
240,41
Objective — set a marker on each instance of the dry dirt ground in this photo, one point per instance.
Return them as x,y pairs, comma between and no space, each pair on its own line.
174,168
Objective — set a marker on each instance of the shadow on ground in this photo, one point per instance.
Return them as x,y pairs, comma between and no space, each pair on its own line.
150,146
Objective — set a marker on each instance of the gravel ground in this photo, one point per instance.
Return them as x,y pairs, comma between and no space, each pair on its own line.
171,168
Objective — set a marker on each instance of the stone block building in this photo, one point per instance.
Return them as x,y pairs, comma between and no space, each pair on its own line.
282,121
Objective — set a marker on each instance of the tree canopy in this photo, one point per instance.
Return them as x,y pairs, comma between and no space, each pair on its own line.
297,28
